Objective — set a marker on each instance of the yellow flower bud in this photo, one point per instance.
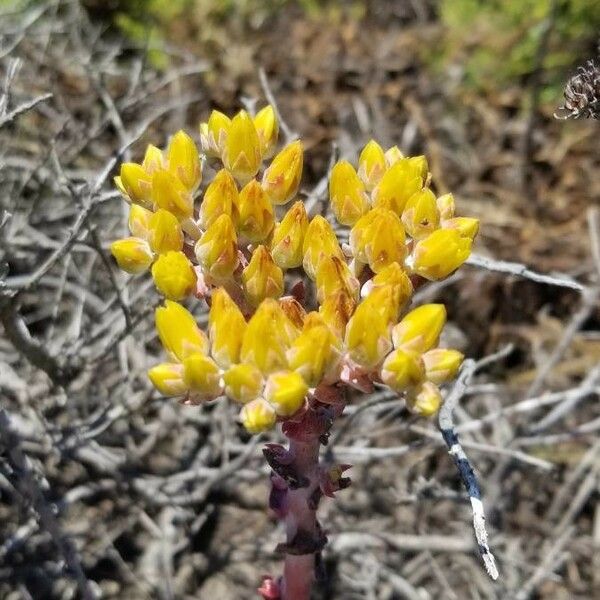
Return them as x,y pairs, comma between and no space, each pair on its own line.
217,249
242,155
243,382
139,221
442,365
425,401
336,311
285,390
164,233
226,326
258,416
468,227
371,164
378,239
397,185
267,128
368,333
420,215
315,352
386,299
419,163
319,240
396,277
262,278
420,329
132,254
167,378
281,179
219,198
393,155
183,160
213,135
441,253
253,213
170,193
136,183
288,237
347,194
267,338
333,276
201,375
153,159
445,206
174,275
178,331
402,370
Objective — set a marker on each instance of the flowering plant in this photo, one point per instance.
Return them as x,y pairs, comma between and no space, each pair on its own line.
296,318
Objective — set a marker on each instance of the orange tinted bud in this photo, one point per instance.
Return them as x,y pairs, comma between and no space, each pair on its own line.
293,310
336,311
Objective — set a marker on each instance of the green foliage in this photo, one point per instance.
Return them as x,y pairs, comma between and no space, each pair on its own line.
496,42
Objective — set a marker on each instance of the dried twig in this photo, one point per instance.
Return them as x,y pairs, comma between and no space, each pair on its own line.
447,428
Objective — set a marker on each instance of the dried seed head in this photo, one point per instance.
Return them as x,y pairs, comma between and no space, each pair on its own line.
582,93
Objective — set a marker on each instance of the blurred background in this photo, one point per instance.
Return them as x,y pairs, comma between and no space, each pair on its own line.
106,489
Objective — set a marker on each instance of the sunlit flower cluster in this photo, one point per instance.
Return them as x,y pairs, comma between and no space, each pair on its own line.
292,312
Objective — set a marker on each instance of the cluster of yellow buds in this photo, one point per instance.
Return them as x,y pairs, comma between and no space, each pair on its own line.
225,244
395,217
